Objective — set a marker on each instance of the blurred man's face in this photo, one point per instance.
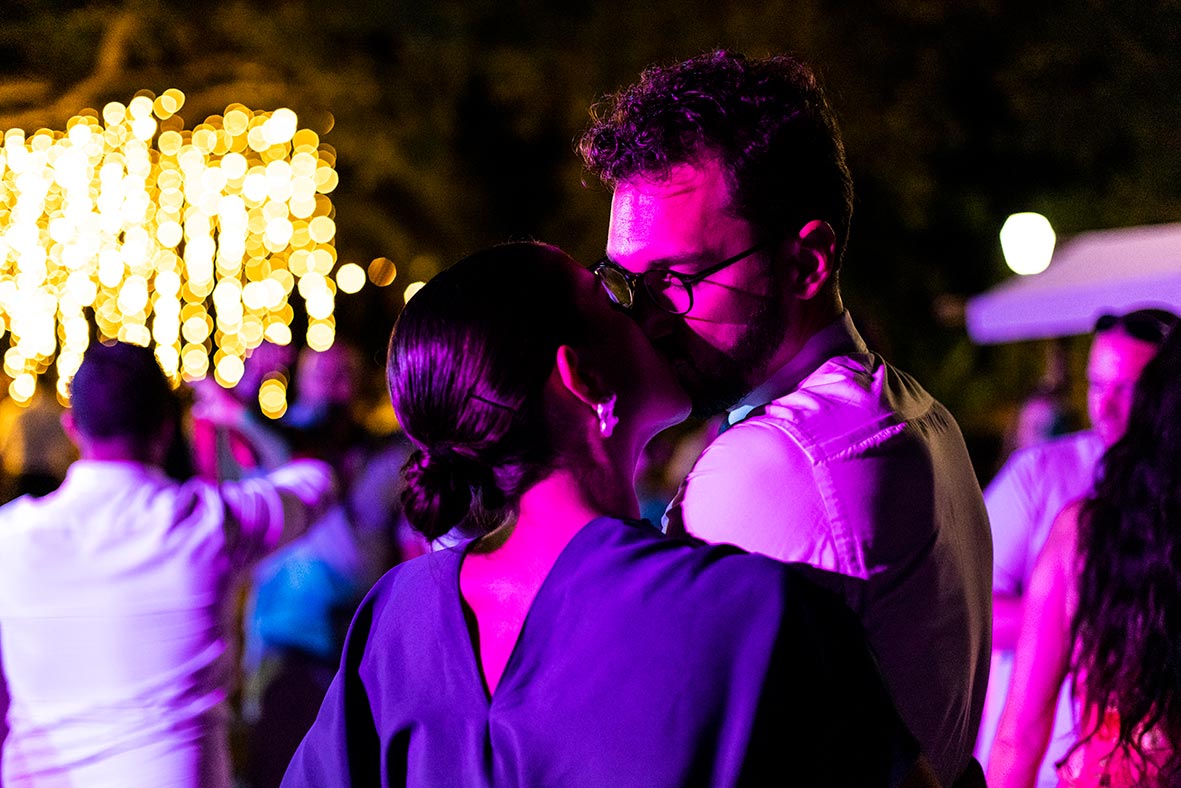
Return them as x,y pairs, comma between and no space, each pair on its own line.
1115,364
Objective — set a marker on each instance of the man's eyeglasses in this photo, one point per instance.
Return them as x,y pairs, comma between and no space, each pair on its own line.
671,291
1147,325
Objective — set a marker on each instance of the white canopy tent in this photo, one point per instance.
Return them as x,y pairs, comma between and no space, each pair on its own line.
1103,271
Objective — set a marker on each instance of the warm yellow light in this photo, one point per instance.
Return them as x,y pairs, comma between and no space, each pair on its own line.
411,289
320,336
272,396
319,304
134,334
229,371
196,329
278,234
157,230
22,388
279,333
322,229
350,278
326,179
280,127
114,113
382,271
133,296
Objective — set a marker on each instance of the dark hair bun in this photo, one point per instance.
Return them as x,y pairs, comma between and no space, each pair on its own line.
469,362
440,486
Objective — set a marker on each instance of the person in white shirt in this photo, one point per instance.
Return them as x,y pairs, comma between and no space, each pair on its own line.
1035,485
113,593
729,216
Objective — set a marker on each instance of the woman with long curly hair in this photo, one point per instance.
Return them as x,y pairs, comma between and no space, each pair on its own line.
1104,602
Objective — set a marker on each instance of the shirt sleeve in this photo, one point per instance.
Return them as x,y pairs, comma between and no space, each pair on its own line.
754,487
262,513
1010,502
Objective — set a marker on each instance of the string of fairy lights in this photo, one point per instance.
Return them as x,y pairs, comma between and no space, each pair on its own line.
193,242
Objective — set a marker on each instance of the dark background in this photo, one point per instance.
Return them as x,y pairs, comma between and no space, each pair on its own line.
454,125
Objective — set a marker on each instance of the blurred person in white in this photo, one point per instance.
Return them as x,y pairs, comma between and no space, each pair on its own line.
1034,486
113,592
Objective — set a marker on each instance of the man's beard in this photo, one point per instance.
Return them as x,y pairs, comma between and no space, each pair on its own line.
716,381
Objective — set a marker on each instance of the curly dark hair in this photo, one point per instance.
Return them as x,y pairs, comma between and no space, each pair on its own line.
767,119
1128,624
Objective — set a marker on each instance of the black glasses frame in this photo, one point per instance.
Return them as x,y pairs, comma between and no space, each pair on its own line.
686,280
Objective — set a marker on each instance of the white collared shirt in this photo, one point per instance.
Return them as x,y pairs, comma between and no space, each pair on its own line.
112,599
843,462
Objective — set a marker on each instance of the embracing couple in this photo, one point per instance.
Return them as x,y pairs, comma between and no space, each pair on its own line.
564,643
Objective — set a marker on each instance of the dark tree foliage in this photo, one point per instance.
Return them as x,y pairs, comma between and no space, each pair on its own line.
453,122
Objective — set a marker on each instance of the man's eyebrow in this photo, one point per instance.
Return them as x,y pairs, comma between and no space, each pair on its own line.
668,261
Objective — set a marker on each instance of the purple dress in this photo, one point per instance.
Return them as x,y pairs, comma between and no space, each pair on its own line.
643,661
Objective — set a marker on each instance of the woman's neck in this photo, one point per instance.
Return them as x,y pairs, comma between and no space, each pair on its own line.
552,511
502,574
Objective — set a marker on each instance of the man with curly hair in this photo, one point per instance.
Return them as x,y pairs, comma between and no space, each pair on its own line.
729,218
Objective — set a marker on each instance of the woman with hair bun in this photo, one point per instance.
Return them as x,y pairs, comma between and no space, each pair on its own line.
563,643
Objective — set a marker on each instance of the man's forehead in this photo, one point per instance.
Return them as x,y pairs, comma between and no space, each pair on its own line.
1114,355
662,214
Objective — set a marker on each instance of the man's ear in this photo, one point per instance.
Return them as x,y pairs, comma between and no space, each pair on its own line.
814,261
575,376
70,428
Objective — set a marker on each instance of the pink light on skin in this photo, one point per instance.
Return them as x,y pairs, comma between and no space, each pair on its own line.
748,319
1114,366
499,582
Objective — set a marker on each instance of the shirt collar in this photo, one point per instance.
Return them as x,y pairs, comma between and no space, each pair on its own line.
93,473
839,337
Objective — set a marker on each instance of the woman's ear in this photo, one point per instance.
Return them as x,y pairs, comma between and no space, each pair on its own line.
574,376
581,381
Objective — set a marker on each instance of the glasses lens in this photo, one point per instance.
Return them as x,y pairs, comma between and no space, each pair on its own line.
616,284
668,292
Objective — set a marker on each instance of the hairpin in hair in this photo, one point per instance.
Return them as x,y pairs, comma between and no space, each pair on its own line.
493,403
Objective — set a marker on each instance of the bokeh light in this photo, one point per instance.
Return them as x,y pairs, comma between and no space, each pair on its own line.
350,278
1027,241
382,271
272,395
192,242
411,289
